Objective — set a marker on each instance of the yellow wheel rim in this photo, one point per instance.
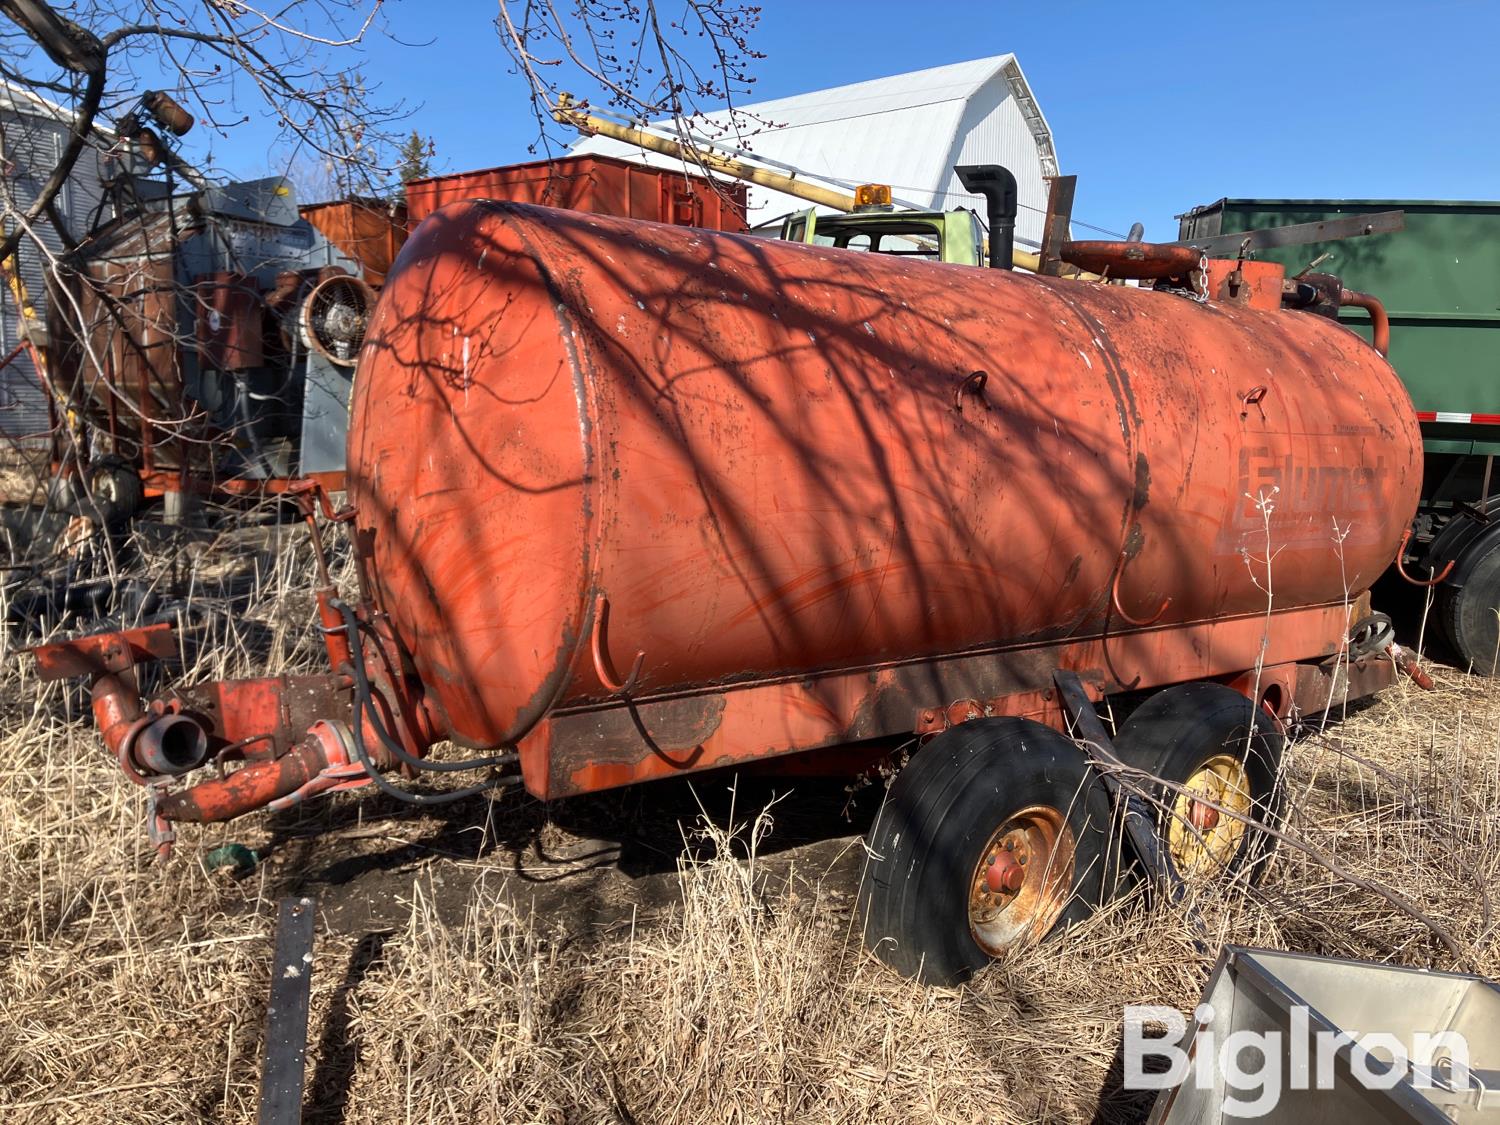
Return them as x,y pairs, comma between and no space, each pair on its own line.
1202,839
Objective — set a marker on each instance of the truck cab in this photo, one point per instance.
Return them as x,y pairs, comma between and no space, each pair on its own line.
875,226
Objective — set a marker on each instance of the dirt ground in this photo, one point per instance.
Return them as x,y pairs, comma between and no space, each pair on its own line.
585,865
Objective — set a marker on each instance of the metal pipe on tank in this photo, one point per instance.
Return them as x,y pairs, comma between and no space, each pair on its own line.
998,186
173,744
1380,323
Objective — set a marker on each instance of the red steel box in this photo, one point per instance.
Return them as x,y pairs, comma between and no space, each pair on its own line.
603,185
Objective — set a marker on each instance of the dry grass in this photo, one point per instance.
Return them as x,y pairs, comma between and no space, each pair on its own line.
132,993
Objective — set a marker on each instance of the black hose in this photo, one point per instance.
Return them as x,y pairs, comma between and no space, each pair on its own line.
364,701
365,698
413,797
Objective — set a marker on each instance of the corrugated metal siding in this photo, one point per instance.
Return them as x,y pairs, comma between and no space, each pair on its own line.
84,204
994,131
33,144
906,158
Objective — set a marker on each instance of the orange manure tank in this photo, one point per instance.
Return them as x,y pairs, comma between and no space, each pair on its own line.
641,499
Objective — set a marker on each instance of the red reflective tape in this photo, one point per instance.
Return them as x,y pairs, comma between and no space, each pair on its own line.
1458,416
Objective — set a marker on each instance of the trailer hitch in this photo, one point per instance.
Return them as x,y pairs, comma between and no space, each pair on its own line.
156,742
274,742
110,660
271,742
289,736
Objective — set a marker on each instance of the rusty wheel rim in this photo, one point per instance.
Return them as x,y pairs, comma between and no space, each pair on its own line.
1203,840
1022,880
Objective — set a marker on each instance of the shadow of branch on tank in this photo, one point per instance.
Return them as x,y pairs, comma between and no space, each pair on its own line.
786,431
759,370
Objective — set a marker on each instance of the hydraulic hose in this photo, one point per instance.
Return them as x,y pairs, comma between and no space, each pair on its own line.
365,698
364,702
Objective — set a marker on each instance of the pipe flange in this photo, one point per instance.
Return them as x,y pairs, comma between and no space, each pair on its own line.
1370,635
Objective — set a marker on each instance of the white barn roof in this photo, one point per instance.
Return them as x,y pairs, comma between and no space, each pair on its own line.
908,131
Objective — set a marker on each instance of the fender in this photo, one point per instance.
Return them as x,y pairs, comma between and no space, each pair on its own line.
1462,540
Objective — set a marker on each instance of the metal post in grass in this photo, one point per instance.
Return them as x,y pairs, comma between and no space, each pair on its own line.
285,1055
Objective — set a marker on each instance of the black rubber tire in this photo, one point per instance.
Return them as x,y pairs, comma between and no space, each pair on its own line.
1180,728
1467,613
115,492
939,814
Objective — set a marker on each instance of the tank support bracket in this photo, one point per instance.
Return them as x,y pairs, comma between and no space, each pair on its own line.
1131,805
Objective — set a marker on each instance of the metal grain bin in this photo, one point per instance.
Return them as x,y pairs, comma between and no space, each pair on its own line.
36,131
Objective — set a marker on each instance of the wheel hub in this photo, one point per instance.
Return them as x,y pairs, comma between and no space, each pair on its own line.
1203,817
1004,874
1022,880
1206,827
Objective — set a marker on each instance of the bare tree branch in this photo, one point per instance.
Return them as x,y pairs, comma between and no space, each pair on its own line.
632,59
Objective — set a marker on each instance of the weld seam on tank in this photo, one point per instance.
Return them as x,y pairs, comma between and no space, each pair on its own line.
571,651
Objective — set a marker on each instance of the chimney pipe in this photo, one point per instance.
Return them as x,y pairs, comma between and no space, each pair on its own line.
998,186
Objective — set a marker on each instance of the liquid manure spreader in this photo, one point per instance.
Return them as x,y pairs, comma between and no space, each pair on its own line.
629,501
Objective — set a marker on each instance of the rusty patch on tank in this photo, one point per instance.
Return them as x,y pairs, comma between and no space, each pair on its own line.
668,727
1142,495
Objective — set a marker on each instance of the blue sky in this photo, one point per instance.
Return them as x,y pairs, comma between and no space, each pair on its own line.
1155,106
